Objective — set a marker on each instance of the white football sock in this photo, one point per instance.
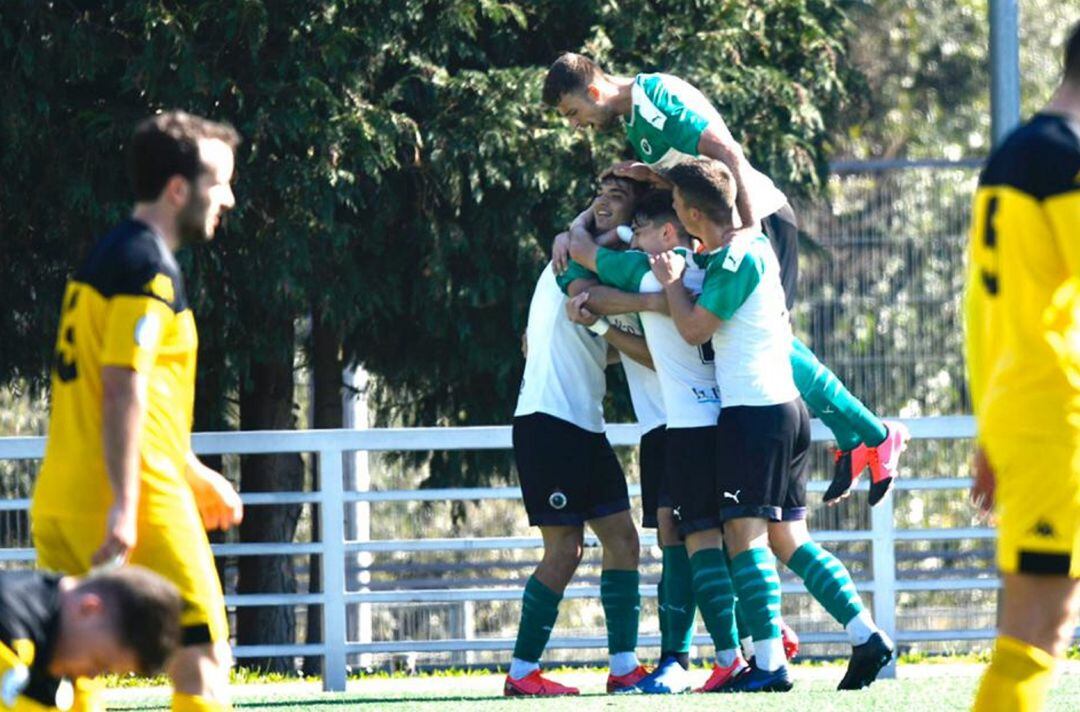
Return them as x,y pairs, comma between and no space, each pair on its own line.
770,654
747,644
521,668
623,663
860,628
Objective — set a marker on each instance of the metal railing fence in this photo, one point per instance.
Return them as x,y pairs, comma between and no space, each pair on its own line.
333,547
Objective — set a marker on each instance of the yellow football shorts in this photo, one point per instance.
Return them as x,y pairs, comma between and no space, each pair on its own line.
171,543
1037,506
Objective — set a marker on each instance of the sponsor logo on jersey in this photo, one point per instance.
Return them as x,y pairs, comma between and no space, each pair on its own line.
162,288
646,147
146,330
557,500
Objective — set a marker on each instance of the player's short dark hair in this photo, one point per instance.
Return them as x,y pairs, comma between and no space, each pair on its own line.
636,188
146,612
1072,55
166,145
569,73
657,206
707,185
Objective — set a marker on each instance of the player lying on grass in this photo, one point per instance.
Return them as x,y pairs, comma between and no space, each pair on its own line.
763,435
569,477
54,629
667,120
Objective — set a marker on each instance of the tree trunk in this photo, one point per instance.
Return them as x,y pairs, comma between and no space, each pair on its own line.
266,403
326,369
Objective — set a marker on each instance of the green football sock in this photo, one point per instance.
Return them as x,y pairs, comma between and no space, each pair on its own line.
850,421
622,604
539,609
715,597
677,601
740,619
827,580
758,587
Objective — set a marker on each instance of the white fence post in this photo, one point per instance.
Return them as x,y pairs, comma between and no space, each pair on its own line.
333,569
883,525
357,514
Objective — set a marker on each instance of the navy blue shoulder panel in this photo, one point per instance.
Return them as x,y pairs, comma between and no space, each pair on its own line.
129,260
1040,158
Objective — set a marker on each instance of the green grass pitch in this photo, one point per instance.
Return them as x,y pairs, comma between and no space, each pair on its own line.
934,688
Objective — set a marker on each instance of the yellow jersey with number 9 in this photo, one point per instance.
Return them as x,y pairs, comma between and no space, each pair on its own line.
1022,298
125,307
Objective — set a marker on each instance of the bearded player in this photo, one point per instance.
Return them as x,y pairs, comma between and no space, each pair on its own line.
119,481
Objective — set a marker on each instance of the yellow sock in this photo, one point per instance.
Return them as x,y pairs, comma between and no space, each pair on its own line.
193,703
87,695
1017,679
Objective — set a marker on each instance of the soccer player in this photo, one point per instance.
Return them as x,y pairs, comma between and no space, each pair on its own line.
570,476
1022,314
668,121
763,433
57,628
119,480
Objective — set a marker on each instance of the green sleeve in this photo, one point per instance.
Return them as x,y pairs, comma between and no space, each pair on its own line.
729,281
622,269
682,126
573,272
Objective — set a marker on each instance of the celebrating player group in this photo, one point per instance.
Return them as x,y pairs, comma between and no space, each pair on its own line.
684,269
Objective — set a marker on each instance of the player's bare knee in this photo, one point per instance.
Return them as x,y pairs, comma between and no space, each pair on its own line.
622,547
745,533
786,537
667,531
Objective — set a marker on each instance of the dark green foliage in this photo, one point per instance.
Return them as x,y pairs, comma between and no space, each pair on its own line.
398,174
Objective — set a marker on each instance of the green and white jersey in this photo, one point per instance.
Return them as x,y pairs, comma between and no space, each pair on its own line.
646,394
564,365
666,123
686,373
753,344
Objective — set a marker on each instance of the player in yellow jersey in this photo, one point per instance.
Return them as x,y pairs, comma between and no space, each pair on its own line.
1022,313
119,481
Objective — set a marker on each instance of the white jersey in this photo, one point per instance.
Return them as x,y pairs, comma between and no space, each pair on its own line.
686,374
752,346
646,394
564,362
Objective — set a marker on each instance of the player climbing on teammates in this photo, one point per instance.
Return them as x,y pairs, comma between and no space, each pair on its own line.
668,121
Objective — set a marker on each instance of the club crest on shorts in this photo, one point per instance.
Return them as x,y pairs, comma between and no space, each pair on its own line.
557,500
